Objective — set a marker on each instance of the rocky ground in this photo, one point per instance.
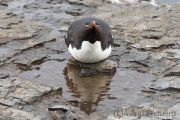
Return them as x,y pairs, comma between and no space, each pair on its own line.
147,41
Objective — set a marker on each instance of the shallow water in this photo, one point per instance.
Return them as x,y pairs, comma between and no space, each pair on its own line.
98,91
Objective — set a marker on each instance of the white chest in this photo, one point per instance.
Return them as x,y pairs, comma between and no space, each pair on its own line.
90,53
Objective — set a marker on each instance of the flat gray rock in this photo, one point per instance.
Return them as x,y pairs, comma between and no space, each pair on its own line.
17,35
75,99
135,56
175,110
166,83
87,72
175,71
21,89
86,2
69,116
154,43
2,76
94,68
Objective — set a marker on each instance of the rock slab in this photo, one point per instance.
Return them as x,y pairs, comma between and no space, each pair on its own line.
106,65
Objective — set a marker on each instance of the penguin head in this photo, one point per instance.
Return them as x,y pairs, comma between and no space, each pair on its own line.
92,32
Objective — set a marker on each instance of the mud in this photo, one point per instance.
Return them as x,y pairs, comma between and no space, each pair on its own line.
35,74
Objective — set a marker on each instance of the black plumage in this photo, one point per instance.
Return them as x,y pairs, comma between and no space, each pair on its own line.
89,29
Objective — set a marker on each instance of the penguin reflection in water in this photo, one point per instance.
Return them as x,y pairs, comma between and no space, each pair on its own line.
89,40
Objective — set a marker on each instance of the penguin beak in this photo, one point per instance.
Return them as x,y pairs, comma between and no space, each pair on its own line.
93,24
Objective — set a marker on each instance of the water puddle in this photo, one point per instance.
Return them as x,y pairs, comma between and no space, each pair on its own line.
98,91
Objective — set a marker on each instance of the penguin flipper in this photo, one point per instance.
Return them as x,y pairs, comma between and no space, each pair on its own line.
69,39
66,41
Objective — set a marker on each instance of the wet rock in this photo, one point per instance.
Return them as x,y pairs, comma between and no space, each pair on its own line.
112,97
19,114
166,83
5,40
124,64
59,46
158,56
87,72
117,51
37,109
153,43
57,57
75,99
58,107
22,89
135,56
69,116
73,13
58,89
103,66
16,47
7,102
3,76
134,59
175,111
131,32
119,42
175,32
158,64
86,2
171,53
27,59
154,30
64,28
4,3
175,71
20,33
163,104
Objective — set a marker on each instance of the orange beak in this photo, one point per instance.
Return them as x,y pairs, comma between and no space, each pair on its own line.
93,24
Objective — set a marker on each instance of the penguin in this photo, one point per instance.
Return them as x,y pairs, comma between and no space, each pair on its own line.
89,40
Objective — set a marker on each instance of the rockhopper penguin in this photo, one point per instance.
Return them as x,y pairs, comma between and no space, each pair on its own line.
89,40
